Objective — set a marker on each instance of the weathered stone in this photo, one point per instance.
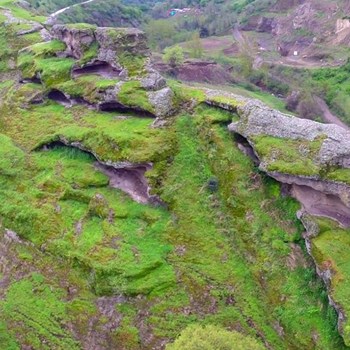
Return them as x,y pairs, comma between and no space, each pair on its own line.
258,119
116,48
153,80
162,101
116,41
77,38
322,147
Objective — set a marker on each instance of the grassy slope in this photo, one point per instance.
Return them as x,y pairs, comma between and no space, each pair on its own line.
193,245
211,257
330,249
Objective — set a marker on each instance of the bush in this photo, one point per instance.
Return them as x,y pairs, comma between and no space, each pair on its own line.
213,338
173,56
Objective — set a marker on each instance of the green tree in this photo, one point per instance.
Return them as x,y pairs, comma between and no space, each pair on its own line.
160,33
246,62
211,337
195,46
174,56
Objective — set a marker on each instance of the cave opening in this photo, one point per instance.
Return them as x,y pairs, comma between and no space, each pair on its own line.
118,107
59,97
245,147
101,68
129,178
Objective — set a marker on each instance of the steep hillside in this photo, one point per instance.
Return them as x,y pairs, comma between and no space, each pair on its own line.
100,12
135,209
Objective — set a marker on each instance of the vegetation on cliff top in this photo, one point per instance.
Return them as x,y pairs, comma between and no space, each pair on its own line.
84,264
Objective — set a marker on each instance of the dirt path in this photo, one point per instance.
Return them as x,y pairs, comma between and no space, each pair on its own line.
328,116
52,18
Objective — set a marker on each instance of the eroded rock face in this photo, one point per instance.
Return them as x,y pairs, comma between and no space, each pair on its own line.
321,149
115,41
120,55
162,101
287,149
256,119
77,39
111,42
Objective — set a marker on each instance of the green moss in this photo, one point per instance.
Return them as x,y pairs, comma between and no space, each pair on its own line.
230,102
27,93
341,175
330,249
81,26
133,63
84,232
87,87
52,70
215,115
11,157
213,338
46,49
37,314
7,340
184,94
89,54
289,156
131,94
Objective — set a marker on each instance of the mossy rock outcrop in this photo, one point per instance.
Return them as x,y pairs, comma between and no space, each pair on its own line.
299,149
85,265
313,160
108,68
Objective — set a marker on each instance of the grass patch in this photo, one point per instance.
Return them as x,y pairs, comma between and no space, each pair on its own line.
294,157
330,249
36,312
131,94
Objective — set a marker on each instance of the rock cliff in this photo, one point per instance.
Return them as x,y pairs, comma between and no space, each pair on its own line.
106,68
313,161
87,262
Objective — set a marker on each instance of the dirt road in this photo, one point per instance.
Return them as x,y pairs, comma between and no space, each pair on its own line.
328,116
53,16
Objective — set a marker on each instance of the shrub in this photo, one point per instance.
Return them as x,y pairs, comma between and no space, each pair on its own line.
213,338
173,56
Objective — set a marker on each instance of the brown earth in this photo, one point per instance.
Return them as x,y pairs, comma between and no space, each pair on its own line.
197,71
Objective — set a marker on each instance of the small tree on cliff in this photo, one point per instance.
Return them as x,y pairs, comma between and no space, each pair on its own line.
174,56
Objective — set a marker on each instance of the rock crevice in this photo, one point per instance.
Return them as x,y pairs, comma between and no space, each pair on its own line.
125,176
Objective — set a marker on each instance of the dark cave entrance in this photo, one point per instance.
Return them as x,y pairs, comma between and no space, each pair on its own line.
59,97
118,107
101,68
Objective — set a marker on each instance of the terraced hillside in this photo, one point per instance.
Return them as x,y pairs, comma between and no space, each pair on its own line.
128,211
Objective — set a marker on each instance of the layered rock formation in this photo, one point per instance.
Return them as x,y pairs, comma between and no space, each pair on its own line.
110,65
292,150
313,161
85,266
